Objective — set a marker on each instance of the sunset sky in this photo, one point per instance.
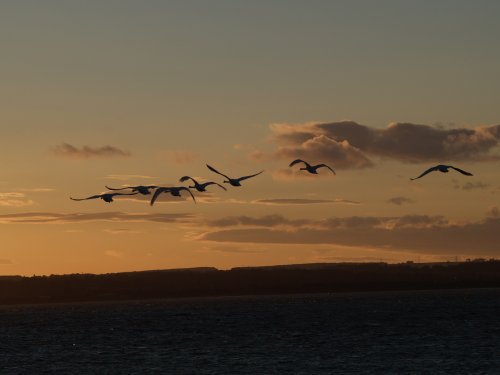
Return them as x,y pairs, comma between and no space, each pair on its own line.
120,93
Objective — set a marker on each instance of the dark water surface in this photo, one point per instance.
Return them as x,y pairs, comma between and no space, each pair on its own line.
455,332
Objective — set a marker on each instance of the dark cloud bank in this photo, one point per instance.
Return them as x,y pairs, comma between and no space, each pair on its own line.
418,233
348,144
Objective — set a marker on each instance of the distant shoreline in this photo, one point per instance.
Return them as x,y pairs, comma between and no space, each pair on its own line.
249,281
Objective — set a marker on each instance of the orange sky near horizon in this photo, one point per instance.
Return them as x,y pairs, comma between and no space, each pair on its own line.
97,94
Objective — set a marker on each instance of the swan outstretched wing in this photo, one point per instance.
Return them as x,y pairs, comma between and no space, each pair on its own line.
296,161
185,178
432,169
157,193
189,191
115,194
216,171
252,175
128,187
84,199
462,171
325,166
214,183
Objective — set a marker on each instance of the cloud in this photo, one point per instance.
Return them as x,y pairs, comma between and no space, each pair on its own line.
416,233
38,190
493,212
400,200
293,201
120,231
67,218
349,145
14,199
113,253
474,186
323,148
6,261
263,221
182,157
68,151
231,250
479,185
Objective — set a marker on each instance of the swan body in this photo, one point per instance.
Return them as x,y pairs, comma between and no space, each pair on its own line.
107,197
175,191
200,187
233,181
444,169
310,168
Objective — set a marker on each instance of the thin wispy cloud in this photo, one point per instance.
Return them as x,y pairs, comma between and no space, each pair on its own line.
68,151
120,231
180,157
349,145
400,200
253,153
493,212
37,190
15,199
231,250
114,253
68,218
475,186
302,201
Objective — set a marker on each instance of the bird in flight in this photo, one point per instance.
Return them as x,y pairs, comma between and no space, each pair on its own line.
141,189
200,187
107,197
233,181
310,168
175,191
444,169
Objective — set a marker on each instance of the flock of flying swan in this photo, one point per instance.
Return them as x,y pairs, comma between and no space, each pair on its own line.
202,187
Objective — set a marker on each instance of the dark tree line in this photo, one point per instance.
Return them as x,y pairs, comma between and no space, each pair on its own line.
320,278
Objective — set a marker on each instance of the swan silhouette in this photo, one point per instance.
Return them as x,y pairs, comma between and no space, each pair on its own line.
310,168
141,189
233,181
200,187
107,197
175,191
443,169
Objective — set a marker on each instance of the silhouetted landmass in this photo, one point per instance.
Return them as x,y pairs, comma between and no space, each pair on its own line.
204,282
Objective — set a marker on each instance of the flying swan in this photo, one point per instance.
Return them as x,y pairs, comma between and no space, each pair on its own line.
175,191
200,187
310,168
141,189
233,181
107,197
443,169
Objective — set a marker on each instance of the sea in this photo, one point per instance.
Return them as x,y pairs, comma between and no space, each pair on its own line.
410,332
